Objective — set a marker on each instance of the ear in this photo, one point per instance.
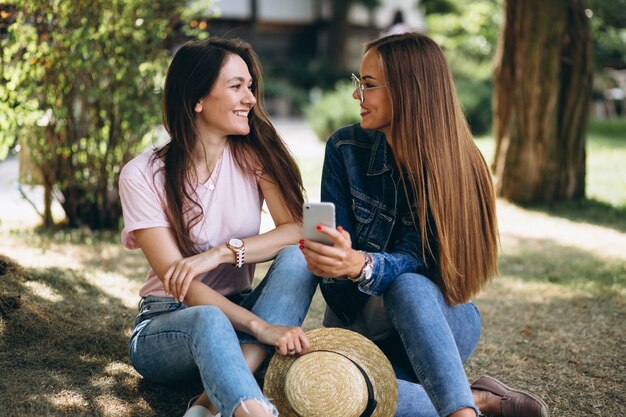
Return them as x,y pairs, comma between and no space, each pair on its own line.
198,108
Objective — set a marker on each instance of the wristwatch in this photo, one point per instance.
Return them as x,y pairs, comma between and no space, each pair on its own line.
239,249
368,268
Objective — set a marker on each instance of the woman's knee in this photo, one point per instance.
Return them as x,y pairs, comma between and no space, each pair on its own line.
166,352
290,266
206,319
291,253
412,294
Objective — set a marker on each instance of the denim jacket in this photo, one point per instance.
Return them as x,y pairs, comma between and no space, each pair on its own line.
360,177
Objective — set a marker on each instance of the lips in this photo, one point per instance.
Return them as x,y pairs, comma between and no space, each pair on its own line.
364,111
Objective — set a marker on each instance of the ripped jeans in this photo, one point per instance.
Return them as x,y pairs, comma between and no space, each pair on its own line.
173,344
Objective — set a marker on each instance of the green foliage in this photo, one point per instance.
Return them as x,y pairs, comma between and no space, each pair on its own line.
608,25
333,110
468,33
438,6
475,96
81,91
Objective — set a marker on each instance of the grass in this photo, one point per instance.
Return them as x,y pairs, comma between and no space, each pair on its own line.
606,167
554,321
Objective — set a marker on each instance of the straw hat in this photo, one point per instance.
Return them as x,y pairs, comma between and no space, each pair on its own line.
332,378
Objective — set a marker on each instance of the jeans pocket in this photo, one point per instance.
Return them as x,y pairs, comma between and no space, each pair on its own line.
151,307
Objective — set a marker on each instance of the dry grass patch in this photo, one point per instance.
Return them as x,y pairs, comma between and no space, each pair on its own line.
564,344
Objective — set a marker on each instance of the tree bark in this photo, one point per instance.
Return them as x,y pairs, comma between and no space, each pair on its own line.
542,85
339,33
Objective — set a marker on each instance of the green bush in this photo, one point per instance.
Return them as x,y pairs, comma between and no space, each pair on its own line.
81,88
335,108
475,96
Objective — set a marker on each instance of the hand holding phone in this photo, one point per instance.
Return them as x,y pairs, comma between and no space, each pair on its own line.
318,214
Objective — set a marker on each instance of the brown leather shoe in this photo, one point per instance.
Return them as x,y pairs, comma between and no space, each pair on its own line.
513,403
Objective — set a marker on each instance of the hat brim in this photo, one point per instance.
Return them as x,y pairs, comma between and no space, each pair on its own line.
350,344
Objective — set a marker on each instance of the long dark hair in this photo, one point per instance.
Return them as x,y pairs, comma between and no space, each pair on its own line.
447,174
191,76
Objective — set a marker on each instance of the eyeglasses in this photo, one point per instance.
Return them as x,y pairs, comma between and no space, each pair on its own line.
360,88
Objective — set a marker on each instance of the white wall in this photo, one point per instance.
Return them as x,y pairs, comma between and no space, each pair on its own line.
234,9
294,11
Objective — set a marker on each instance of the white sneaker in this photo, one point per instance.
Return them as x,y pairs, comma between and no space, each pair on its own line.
198,411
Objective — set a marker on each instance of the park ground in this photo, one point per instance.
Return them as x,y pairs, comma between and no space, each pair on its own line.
554,320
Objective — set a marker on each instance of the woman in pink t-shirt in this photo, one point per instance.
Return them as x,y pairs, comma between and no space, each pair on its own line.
193,207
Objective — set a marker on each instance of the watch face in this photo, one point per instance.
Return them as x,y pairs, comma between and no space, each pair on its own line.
368,272
235,243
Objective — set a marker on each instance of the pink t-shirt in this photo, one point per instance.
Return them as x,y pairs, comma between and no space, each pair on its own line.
231,203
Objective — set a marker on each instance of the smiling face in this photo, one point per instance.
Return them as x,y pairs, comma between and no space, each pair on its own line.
376,106
224,111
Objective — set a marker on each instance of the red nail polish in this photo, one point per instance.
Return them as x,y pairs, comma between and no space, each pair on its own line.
302,242
319,227
301,247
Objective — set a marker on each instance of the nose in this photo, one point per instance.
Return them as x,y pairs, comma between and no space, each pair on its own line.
355,94
249,98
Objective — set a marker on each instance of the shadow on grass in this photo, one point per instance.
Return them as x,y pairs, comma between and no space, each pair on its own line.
63,350
546,261
589,211
100,251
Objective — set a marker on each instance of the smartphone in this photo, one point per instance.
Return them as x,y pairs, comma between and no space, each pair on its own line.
318,214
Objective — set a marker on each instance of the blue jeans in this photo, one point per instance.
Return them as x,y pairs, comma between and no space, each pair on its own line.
433,341
173,344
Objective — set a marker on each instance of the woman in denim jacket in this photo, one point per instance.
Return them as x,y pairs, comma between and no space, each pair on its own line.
417,234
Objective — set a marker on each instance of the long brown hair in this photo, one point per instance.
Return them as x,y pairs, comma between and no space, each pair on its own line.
190,76
447,174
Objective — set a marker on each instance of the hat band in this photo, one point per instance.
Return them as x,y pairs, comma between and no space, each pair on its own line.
371,401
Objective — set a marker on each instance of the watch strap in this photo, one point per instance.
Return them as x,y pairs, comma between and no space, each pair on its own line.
366,265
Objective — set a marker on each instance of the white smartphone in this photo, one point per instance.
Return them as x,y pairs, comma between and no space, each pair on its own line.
318,214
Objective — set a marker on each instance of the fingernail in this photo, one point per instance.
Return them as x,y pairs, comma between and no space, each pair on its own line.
319,227
301,247
302,242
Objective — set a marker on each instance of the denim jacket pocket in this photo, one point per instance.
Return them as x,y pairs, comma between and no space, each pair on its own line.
364,212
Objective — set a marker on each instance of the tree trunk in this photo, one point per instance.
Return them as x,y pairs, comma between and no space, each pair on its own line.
48,221
339,33
542,86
